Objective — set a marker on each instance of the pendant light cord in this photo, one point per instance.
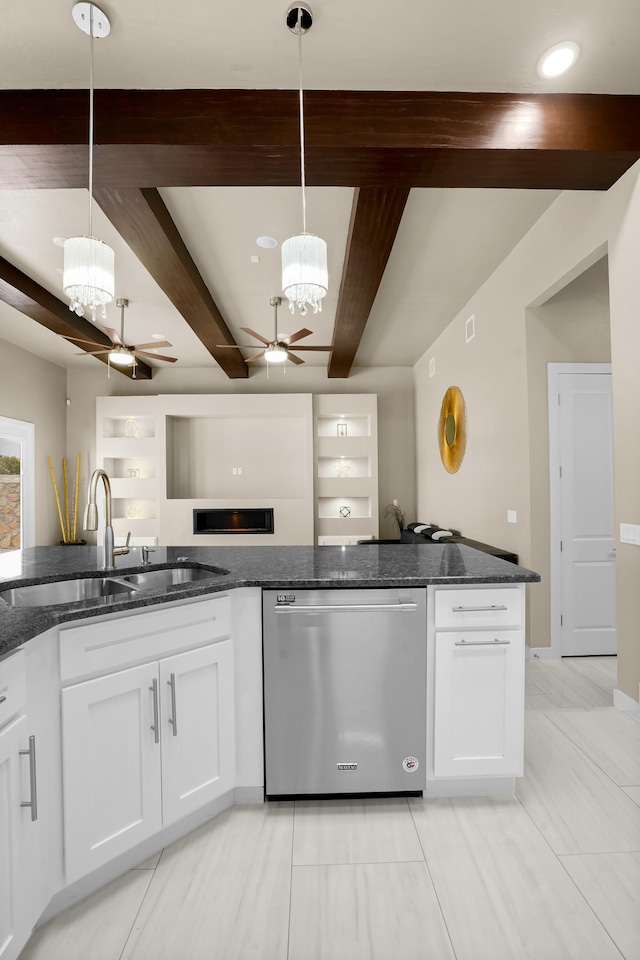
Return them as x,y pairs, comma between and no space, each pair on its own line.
90,117
302,168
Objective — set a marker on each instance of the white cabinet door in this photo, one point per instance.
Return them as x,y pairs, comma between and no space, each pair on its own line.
198,728
111,766
479,703
14,922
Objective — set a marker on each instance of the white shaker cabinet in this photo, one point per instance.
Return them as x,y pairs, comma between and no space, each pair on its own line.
476,664
145,746
14,922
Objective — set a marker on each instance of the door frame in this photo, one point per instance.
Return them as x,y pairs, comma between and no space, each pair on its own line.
554,371
23,432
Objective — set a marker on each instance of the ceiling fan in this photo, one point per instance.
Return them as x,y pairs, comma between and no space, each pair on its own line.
276,350
120,353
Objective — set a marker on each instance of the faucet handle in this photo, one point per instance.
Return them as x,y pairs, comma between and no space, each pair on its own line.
121,551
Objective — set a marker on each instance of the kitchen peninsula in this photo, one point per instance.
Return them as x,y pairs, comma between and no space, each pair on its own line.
128,719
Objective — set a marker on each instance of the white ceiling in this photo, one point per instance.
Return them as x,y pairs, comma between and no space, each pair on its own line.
449,241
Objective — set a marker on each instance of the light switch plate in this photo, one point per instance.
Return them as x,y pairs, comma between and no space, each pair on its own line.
630,533
512,516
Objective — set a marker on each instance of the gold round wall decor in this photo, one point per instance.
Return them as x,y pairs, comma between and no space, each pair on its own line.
452,429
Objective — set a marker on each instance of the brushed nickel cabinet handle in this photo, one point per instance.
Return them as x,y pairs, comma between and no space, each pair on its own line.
173,719
489,607
155,726
483,643
33,783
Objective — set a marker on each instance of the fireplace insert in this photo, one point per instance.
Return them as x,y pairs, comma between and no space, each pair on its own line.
242,520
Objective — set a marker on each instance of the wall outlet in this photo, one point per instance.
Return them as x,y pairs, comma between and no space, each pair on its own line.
630,533
512,516
236,471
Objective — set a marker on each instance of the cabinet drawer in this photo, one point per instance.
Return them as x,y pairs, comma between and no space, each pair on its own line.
13,690
495,607
123,641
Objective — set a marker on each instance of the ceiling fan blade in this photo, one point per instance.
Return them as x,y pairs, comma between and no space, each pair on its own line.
235,346
313,348
154,356
80,340
293,359
153,345
256,357
256,335
298,335
113,336
92,353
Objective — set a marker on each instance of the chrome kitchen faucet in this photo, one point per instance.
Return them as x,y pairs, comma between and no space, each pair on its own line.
91,519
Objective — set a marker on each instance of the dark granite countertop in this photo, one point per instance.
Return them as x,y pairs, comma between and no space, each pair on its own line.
294,567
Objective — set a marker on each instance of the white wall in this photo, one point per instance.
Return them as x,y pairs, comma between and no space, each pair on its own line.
34,390
492,373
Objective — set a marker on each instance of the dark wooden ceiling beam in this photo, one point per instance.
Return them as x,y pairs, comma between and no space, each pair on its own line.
33,300
375,217
150,138
143,221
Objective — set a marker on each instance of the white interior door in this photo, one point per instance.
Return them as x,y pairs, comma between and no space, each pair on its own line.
585,506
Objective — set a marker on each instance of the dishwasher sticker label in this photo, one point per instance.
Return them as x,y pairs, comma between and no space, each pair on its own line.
410,764
347,766
286,598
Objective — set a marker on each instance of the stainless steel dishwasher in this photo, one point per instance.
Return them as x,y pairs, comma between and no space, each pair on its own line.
344,691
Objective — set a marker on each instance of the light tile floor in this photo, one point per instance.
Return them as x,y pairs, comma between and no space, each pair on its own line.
552,874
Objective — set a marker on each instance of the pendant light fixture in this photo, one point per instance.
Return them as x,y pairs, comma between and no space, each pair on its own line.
304,257
88,277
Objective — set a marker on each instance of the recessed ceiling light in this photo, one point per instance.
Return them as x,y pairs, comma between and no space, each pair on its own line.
558,59
267,243
158,336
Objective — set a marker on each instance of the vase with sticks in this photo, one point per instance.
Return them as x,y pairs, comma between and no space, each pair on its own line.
67,526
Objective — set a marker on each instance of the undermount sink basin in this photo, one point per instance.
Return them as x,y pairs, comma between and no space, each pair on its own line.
65,591
170,577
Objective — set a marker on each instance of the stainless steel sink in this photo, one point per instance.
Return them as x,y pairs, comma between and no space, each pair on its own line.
170,577
65,591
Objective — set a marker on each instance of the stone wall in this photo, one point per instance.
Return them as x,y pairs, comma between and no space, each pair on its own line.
9,513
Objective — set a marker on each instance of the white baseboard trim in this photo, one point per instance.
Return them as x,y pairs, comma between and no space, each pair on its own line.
541,653
248,795
627,704
478,787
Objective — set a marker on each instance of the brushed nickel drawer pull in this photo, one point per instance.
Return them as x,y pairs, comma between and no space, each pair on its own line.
490,607
483,643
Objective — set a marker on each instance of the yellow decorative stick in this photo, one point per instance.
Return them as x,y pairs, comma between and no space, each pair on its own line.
55,490
65,482
75,504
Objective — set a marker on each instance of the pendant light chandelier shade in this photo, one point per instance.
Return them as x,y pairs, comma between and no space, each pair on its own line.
304,257
88,274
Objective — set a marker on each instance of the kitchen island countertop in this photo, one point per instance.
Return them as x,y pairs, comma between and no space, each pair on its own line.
363,566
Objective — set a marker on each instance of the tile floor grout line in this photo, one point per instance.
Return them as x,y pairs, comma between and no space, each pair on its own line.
128,937
587,756
433,883
588,905
293,833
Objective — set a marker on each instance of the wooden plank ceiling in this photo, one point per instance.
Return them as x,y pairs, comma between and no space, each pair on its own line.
381,143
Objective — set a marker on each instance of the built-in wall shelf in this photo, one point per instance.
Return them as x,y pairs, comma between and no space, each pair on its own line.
346,468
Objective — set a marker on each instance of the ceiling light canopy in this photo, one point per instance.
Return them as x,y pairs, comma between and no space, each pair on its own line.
304,257
558,59
88,276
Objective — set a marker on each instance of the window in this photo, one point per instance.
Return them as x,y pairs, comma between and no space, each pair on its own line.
17,488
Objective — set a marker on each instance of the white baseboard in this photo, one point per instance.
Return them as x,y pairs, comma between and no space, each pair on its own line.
477,787
541,653
248,795
627,704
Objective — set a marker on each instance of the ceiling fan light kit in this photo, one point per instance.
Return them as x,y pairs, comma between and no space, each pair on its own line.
88,274
304,257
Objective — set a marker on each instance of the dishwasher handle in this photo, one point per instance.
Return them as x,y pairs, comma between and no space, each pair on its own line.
399,607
